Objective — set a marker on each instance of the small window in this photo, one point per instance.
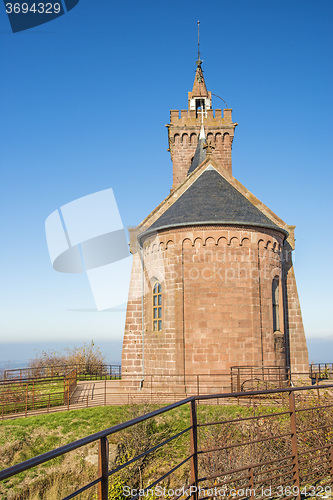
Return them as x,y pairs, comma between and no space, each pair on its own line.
200,108
157,307
275,302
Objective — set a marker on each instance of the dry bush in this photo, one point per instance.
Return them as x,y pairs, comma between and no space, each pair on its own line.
238,457
87,356
270,447
136,440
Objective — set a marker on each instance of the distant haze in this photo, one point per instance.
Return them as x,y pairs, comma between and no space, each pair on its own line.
18,355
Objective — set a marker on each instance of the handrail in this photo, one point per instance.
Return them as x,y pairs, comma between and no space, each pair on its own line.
44,457
102,480
83,369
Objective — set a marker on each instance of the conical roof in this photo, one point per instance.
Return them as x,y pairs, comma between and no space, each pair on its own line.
211,199
199,85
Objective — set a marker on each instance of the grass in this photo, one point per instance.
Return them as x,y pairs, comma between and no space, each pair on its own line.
17,397
25,438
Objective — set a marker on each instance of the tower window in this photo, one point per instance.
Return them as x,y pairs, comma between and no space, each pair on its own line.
275,303
200,107
157,307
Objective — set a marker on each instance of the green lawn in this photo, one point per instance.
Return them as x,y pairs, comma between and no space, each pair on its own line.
24,438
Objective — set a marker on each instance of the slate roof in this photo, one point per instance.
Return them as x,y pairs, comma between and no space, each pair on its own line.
211,200
199,155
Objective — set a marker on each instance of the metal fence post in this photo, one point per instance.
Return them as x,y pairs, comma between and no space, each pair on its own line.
294,449
331,462
26,400
194,450
238,381
103,469
252,489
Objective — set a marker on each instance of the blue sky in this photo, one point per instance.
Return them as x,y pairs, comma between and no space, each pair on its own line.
84,101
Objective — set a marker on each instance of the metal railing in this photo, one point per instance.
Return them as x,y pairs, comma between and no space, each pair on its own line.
244,378
321,371
23,396
84,371
70,384
240,461
150,389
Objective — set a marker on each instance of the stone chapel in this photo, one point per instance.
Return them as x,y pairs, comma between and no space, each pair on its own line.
212,283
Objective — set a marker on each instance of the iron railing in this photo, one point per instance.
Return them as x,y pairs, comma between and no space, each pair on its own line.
22,396
84,371
244,378
27,398
321,371
240,465
70,384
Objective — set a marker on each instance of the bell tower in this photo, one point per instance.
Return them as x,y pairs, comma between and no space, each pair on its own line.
184,129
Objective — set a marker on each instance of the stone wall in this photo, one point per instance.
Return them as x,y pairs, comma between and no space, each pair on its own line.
217,303
183,134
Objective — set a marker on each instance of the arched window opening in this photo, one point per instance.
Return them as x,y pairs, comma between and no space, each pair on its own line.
275,300
200,108
157,307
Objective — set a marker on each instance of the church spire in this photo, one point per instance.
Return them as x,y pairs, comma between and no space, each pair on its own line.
199,86
199,98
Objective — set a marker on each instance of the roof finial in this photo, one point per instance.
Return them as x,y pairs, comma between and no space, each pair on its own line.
199,61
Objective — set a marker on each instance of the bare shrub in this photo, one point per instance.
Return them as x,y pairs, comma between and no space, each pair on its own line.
269,445
89,357
135,441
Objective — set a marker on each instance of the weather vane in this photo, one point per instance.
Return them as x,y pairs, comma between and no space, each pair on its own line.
199,61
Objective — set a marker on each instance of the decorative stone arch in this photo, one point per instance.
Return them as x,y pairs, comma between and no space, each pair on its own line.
218,138
226,139
210,137
210,242
176,139
170,244
187,243
185,139
198,243
234,241
222,242
269,245
245,242
193,139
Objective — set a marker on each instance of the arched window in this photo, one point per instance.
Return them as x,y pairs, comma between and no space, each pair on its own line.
275,302
157,307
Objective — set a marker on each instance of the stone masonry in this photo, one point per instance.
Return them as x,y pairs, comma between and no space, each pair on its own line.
217,252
